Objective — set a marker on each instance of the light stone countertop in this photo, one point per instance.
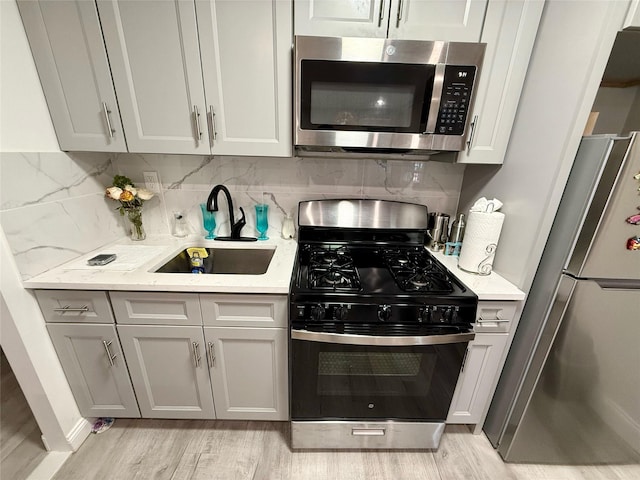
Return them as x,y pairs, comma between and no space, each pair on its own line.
486,287
76,275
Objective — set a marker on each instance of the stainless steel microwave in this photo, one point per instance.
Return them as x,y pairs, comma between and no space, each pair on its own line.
375,95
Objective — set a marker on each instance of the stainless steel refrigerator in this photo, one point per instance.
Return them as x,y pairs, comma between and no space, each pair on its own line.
570,389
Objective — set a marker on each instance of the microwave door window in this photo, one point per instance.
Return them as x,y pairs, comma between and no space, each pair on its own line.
360,96
361,105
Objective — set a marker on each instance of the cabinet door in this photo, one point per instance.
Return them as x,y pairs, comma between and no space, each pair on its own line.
249,372
246,62
154,55
509,31
66,42
342,18
478,379
95,368
169,370
453,21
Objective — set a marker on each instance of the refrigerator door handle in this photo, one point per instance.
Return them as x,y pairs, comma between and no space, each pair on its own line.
612,284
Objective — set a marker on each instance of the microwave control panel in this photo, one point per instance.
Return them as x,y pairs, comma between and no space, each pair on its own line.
454,102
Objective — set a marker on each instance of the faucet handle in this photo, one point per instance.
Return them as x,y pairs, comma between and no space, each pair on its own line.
237,227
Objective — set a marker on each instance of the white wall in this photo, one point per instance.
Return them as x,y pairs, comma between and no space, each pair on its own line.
571,50
26,126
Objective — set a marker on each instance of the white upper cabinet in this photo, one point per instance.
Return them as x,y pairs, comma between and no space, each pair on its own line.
342,18
452,20
155,62
200,77
509,31
72,64
246,62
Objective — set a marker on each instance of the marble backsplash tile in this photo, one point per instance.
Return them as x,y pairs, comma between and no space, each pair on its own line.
53,208
283,182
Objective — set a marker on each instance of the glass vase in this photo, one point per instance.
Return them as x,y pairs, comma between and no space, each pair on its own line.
135,219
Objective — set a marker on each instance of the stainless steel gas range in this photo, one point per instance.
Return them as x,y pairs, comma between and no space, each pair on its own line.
379,329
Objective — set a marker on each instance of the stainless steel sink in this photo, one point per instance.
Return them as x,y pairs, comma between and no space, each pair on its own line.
235,261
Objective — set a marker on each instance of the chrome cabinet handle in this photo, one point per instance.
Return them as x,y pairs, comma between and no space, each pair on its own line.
464,360
399,14
381,14
196,117
196,354
107,112
108,351
212,125
68,308
212,354
493,320
472,127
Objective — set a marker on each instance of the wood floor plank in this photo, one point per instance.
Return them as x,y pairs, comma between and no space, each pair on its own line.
237,450
462,455
21,448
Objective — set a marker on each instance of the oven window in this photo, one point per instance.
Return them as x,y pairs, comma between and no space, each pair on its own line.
365,96
332,381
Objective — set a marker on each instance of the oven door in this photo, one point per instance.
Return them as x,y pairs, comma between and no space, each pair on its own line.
361,377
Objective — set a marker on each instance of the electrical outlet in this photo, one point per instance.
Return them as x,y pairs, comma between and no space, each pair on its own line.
151,181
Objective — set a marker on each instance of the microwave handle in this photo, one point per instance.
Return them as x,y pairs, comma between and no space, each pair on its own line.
472,127
380,341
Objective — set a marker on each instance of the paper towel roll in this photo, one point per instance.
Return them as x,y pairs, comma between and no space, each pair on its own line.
480,242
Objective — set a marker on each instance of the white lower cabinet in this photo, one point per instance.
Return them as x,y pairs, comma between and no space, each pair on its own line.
168,367
95,367
475,385
249,372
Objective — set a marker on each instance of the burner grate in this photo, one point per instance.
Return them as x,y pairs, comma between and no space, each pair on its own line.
415,271
332,269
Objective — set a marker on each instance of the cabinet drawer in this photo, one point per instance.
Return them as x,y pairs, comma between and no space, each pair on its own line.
495,317
244,310
151,308
74,306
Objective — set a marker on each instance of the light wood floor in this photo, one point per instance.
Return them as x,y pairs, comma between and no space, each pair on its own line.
225,450
21,449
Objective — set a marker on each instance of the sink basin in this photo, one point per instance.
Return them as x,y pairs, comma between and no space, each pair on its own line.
235,261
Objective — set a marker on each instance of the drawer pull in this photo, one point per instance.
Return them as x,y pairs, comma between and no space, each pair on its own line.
493,320
108,351
367,432
68,308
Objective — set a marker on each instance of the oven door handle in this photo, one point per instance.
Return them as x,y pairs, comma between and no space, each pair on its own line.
380,341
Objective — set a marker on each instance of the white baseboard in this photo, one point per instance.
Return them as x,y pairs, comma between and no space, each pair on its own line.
79,433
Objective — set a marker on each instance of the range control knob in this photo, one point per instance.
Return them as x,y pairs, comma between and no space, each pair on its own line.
446,315
317,312
384,312
340,312
424,315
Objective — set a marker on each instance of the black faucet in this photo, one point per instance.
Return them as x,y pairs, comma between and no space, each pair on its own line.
236,227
